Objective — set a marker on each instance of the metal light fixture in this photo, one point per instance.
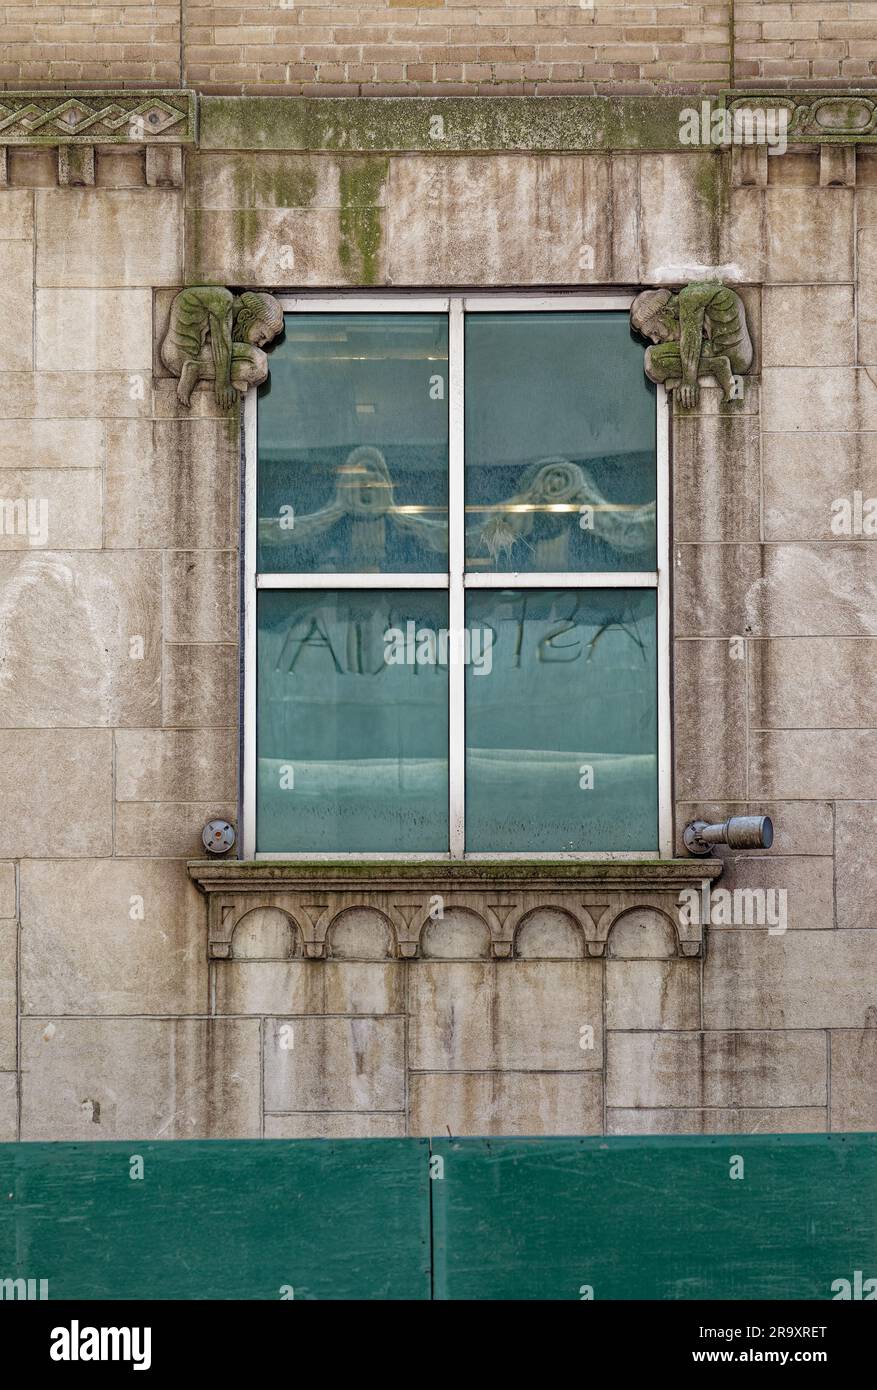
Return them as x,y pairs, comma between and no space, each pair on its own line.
739,832
218,836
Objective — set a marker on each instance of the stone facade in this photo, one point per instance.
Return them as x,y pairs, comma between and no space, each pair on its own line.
393,47
131,1004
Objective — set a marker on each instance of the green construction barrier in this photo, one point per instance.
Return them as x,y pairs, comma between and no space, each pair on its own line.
721,1217
272,1219
738,1217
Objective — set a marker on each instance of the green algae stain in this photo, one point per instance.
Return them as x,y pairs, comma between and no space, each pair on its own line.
361,184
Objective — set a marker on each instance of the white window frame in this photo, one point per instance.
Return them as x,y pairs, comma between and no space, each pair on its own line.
456,582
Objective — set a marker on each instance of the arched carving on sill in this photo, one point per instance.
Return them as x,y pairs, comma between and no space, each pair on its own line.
459,934
549,933
266,933
360,933
643,933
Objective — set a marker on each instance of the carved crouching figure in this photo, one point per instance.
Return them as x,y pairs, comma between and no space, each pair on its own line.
214,335
701,331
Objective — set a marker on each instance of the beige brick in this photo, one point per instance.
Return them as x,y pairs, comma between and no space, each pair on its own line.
172,484
716,1069
806,590
51,444
175,764
830,763
510,219
808,326
8,1107
170,829
275,246
86,948
55,786
805,473
334,1064
95,617
201,595
73,395
866,294
51,508
854,1078
200,684
813,682
16,214
94,330
140,1078
710,688
102,237
789,1120
770,234
719,503
7,890
513,1015
352,1125
752,980
8,994
464,1103
16,307
652,994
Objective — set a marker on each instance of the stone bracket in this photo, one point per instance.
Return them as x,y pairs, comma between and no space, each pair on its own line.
577,905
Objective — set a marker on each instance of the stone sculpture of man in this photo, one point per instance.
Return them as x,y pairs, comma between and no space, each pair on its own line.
214,335
701,331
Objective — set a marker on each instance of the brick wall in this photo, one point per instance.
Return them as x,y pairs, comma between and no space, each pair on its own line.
495,46
508,45
806,42
82,44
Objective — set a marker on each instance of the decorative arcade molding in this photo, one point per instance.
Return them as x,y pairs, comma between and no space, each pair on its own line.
450,911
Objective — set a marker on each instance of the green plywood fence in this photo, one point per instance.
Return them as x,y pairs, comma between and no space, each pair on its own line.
739,1217
654,1218
213,1220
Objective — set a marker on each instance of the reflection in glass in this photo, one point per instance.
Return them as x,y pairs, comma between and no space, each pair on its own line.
352,720
561,734
353,446
560,444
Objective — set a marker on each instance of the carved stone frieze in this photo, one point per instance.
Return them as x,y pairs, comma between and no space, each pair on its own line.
97,118
445,911
814,117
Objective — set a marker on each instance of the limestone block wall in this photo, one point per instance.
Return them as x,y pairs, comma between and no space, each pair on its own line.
398,46
119,663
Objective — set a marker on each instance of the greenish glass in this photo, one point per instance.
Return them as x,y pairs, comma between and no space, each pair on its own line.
561,721
353,446
560,444
352,722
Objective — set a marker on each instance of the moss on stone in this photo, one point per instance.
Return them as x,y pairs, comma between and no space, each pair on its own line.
589,871
361,184
284,184
712,185
441,124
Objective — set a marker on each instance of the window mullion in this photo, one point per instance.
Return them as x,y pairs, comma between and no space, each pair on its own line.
457,597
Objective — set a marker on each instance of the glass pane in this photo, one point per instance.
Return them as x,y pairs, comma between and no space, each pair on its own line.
561,721
560,444
353,446
352,721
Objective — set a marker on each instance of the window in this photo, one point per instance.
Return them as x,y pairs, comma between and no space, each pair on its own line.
456,613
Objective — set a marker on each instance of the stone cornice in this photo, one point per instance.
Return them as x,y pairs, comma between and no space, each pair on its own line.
257,876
